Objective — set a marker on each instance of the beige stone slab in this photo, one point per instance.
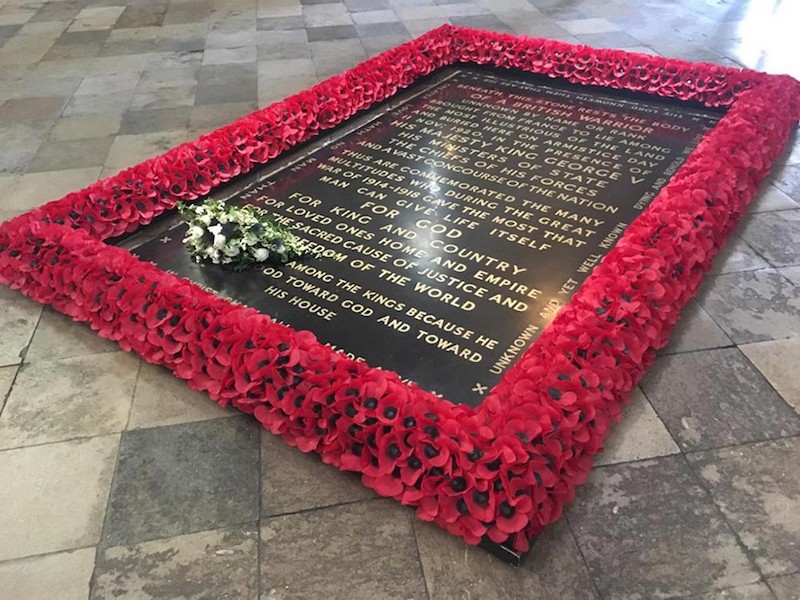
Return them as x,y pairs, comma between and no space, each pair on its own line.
96,17
771,198
6,379
639,435
57,336
757,489
210,564
554,570
755,591
779,362
163,399
18,317
695,330
54,496
306,555
737,256
65,574
34,189
128,150
63,399
786,588
293,481
78,128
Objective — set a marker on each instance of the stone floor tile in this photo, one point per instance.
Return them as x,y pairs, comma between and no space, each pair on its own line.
777,361
385,15
276,51
50,86
332,32
101,84
18,150
489,22
18,318
137,15
638,525
374,45
79,128
453,570
639,435
306,555
771,198
119,64
226,56
72,154
357,6
756,489
217,94
714,398
786,588
154,120
417,27
58,336
154,78
768,233
292,481
54,496
787,179
16,17
614,39
96,17
280,24
58,400
585,26
464,9
93,104
408,13
31,109
210,564
7,375
39,577
326,15
164,97
753,306
695,330
84,51
212,116
737,256
34,189
183,479
754,591
128,150
163,399
395,28
282,69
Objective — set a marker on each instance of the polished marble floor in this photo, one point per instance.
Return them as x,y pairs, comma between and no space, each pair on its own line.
116,481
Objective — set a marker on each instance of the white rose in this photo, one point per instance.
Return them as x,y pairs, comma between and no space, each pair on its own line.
219,240
261,254
216,229
195,232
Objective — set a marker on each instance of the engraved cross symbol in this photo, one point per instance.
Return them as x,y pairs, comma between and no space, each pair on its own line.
481,389
166,239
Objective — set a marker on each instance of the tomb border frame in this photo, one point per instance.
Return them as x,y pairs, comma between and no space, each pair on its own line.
499,472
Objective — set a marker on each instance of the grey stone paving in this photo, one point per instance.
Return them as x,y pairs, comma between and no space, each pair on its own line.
116,481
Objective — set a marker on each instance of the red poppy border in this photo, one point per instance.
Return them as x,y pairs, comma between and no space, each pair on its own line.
501,471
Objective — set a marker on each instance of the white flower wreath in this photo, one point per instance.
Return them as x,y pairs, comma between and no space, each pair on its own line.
238,236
